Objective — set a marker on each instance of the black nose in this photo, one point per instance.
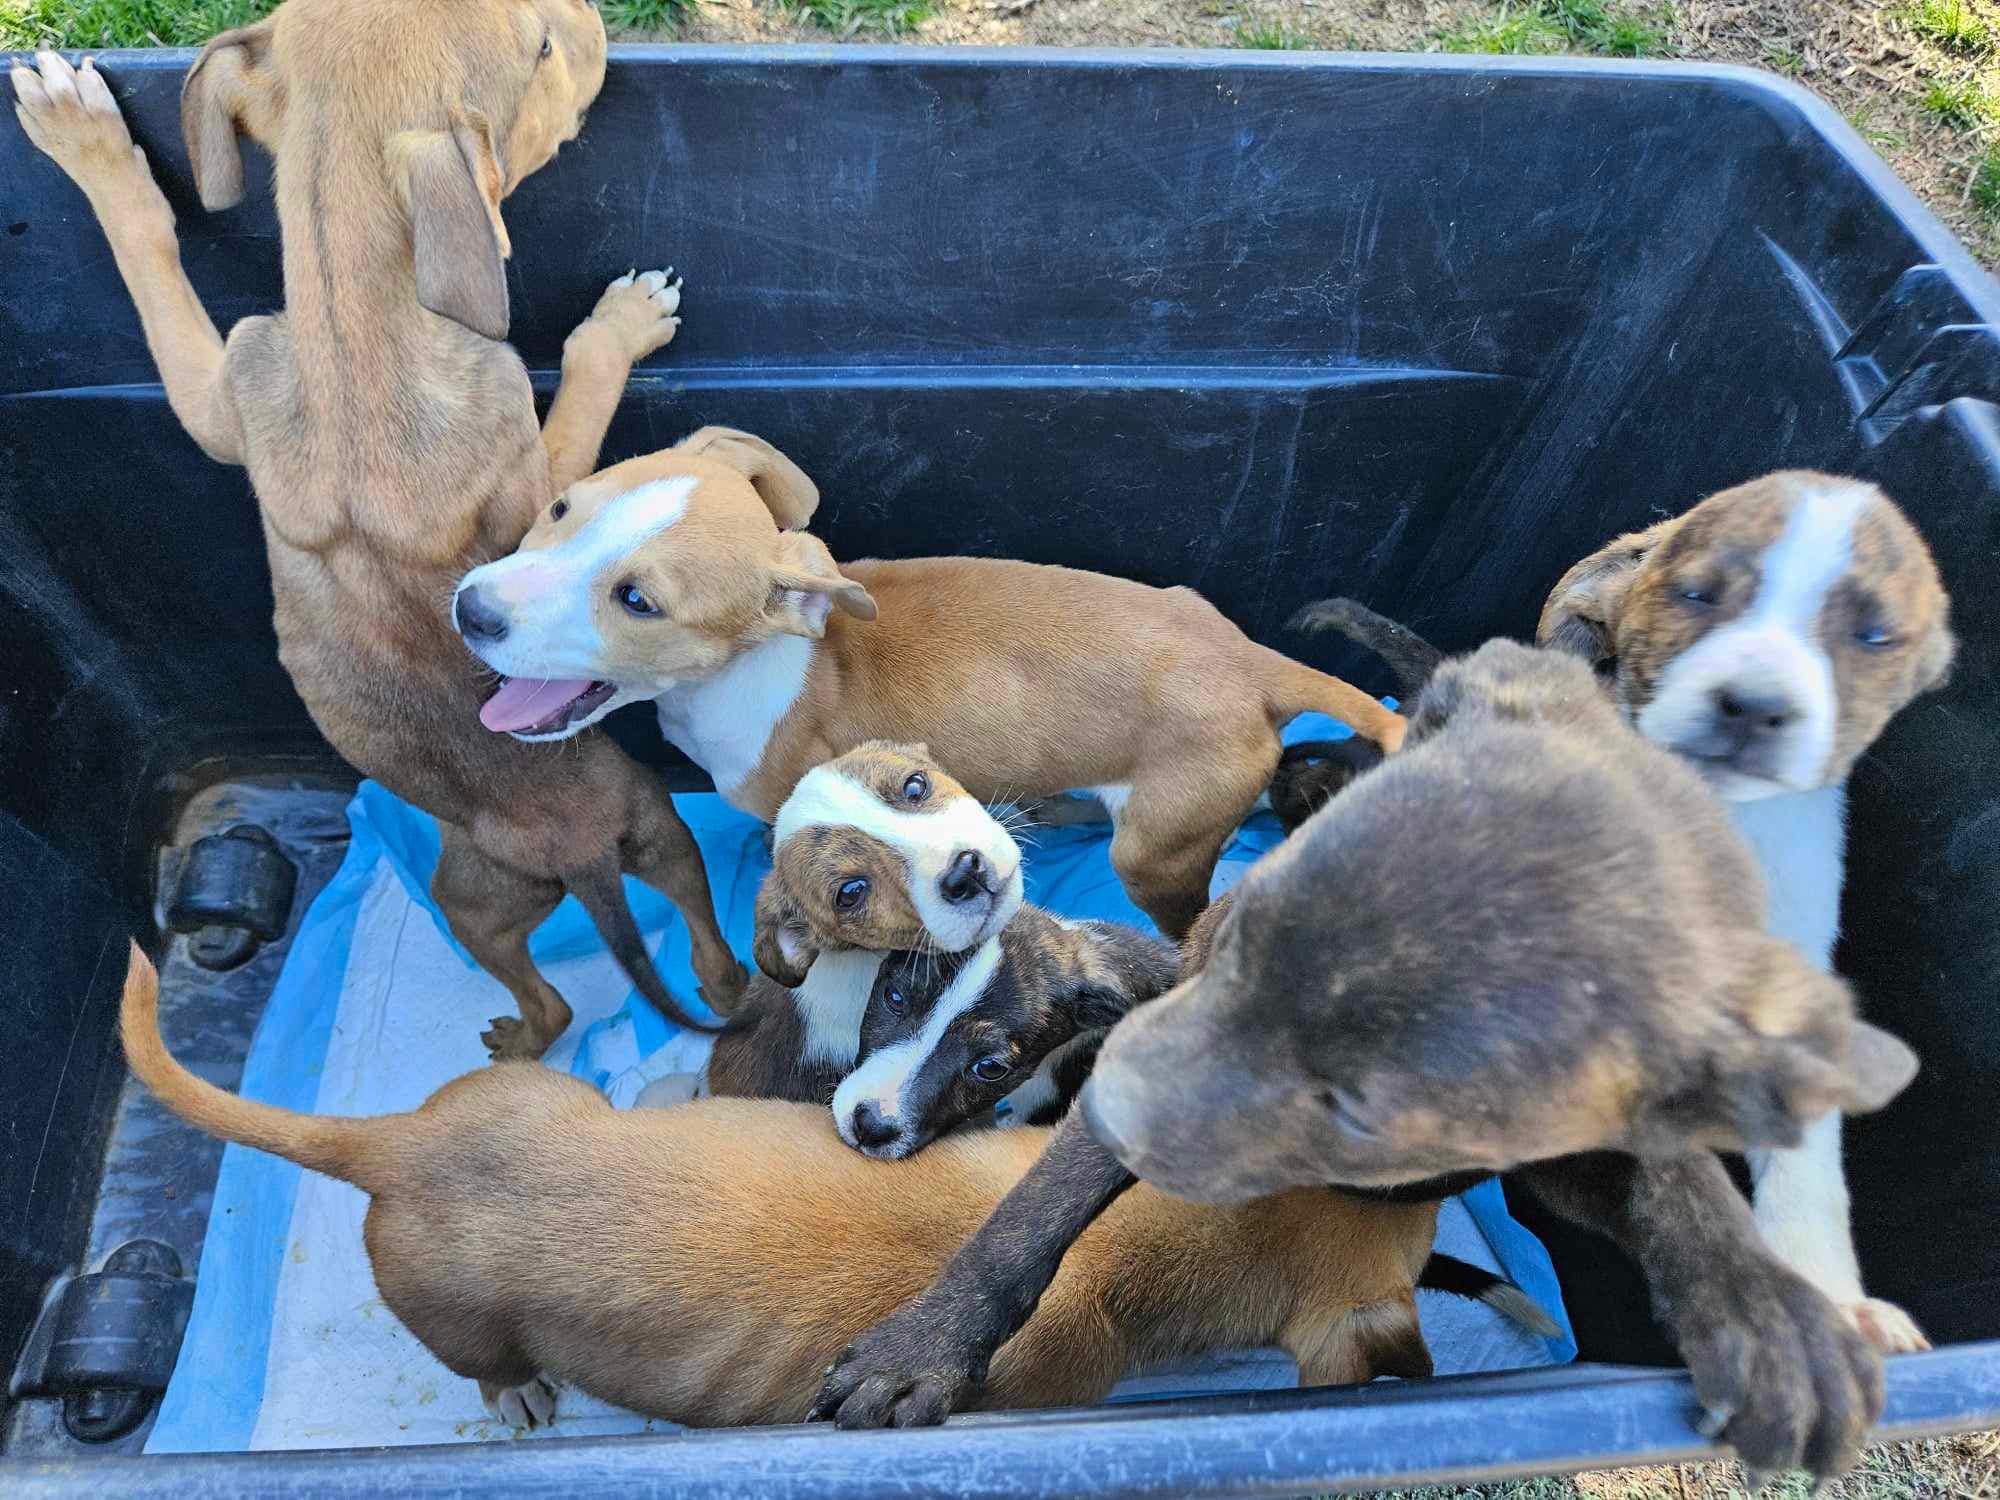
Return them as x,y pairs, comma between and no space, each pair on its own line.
477,619
1751,715
966,878
870,1129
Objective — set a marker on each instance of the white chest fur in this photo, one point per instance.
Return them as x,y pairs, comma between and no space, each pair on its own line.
722,724
832,1001
1800,840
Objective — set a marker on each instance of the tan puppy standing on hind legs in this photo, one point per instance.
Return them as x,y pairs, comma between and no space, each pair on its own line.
390,434
683,577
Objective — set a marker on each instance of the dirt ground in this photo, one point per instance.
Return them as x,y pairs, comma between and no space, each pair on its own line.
1924,104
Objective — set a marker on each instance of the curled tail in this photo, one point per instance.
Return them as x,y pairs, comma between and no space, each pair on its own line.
1409,655
1447,1273
338,1147
601,890
1299,689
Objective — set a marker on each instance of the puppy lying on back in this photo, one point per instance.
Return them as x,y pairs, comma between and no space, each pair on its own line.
1528,940
684,577
717,1256
1008,1027
876,850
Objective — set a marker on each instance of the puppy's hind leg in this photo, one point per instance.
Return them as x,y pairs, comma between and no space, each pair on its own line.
1167,841
635,316
492,909
70,115
528,1403
659,849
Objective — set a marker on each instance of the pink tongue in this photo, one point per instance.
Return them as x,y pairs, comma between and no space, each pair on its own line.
525,701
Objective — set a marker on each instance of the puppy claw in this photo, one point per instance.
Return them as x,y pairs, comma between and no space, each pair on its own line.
71,117
636,313
509,1036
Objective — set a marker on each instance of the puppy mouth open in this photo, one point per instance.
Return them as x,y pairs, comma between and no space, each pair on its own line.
543,705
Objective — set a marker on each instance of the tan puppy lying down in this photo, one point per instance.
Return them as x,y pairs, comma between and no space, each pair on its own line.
683,577
723,1252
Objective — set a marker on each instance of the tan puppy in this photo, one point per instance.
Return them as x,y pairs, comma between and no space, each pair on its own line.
391,436
1768,636
683,577
722,1253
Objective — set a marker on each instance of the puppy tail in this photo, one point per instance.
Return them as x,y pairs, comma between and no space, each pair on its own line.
1449,1274
338,1147
1299,689
601,889
1410,657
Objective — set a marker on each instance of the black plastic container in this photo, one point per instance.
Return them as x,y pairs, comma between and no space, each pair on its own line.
1420,330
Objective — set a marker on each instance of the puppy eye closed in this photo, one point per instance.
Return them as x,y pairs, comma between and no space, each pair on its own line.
849,894
634,602
1874,635
917,787
990,1069
1706,595
558,510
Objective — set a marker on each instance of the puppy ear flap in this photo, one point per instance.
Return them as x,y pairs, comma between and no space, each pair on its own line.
231,87
783,945
806,586
1879,1067
1581,614
781,484
1934,660
1097,1006
452,182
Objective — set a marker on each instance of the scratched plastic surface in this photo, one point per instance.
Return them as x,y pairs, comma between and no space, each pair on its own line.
1421,330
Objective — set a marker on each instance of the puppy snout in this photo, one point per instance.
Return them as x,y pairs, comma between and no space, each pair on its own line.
870,1129
477,617
967,878
1753,713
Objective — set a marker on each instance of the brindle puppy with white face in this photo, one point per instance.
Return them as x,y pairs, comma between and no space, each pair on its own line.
949,1037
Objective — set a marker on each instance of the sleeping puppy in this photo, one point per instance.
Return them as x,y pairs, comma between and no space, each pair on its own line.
1601,1000
876,850
708,1261
1008,1027
1767,637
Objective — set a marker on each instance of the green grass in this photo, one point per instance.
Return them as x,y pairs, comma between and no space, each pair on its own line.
1539,27
1961,103
1952,25
1271,36
1986,186
89,24
1783,60
1867,120
849,16
622,17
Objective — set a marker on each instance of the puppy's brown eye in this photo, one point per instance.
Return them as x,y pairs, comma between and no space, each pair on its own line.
849,894
990,1069
634,602
917,787
558,510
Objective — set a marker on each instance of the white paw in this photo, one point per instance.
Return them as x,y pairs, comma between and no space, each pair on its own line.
638,309
531,1405
1886,1326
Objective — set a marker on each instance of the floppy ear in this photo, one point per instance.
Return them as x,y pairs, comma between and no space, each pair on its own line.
783,946
232,86
1934,661
806,586
1879,1067
1580,615
452,181
781,484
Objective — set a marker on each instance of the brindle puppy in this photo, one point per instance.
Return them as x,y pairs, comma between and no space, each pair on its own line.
1611,991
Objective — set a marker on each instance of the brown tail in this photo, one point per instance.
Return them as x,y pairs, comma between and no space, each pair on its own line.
601,891
1299,689
340,1148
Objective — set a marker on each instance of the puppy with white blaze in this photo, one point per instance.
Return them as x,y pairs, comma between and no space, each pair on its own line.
1768,636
